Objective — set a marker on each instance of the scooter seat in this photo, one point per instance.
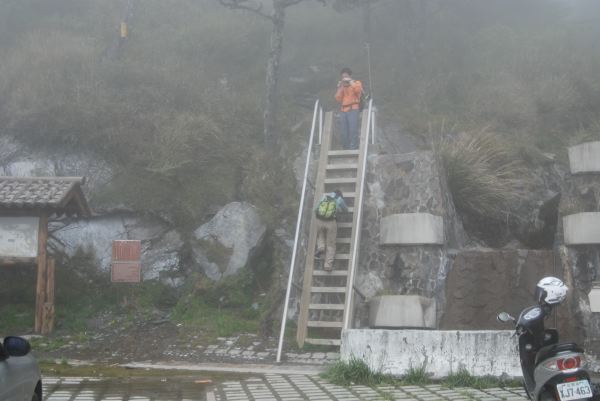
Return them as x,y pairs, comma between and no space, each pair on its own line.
551,350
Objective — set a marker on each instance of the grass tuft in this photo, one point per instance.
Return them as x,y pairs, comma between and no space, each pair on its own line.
463,378
416,376
483,175
355,371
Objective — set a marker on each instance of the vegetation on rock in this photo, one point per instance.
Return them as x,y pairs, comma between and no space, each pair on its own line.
483,176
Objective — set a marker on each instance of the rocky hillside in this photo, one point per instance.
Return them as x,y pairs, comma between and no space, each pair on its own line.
478,104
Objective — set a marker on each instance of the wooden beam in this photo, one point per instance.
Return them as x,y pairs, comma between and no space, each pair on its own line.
20,212
356,230
10,261
40,295
49,314
305,300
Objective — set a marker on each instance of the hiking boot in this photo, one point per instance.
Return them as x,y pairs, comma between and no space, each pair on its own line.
327,268
319,254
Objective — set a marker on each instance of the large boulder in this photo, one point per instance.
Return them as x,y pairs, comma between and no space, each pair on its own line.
161,245
229,241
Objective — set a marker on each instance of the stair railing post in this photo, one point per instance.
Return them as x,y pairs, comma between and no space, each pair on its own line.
320,124
298,224
373,125
358,223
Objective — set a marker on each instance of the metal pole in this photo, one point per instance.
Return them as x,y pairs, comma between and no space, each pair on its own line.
320,124
373,125
368,46
358,221
298,222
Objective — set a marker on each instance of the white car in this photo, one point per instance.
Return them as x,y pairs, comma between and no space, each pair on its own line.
20,378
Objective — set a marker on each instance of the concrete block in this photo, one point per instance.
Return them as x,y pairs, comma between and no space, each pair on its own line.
442,352
585,158
594,297
582,228
411,229
402,311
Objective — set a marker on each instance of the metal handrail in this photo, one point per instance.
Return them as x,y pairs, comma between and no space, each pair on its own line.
373,125
318,112
358,219
320,124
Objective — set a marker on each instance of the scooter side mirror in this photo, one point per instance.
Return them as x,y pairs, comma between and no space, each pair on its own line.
505,317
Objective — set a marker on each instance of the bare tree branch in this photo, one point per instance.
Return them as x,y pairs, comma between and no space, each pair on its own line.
277,19
239,5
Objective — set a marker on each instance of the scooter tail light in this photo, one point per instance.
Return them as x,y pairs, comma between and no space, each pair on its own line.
551,364
564,364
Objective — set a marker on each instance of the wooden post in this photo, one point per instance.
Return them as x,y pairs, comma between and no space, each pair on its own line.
40,296
48,318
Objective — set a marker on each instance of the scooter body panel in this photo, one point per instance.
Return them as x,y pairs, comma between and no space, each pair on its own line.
540,377
546,378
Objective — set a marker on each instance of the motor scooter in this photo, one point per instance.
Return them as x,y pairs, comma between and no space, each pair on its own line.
552,371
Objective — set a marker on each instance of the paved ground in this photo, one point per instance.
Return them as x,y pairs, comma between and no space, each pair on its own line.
142,389
240,349
277,387
268,387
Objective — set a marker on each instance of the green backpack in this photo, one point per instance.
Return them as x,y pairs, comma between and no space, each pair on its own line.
327,208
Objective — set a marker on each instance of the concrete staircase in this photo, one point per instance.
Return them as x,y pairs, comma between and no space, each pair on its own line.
324,305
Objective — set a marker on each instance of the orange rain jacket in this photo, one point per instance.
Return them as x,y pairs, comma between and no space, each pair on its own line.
349,96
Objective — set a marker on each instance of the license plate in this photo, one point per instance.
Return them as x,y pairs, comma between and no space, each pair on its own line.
574,390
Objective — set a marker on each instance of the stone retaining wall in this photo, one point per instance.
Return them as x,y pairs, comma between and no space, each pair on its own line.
394,352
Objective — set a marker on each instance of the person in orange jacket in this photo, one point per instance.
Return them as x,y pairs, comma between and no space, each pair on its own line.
348,95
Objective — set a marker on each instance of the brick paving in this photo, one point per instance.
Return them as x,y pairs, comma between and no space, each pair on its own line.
246,348
277,387
142,389
268,387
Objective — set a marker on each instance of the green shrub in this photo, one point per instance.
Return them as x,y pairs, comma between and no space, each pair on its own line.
212,322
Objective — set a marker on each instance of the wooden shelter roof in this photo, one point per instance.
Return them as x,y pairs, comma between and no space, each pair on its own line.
54,195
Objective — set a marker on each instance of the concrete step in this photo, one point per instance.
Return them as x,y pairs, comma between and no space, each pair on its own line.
332,290
343,180
341,166
331,273
323,341
317,323
342,153
342,256
344,225
327,306
343,240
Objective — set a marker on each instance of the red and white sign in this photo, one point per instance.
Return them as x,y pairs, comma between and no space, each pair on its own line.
126,261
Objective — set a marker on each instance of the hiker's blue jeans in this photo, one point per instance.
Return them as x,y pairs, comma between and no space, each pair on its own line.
349,129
